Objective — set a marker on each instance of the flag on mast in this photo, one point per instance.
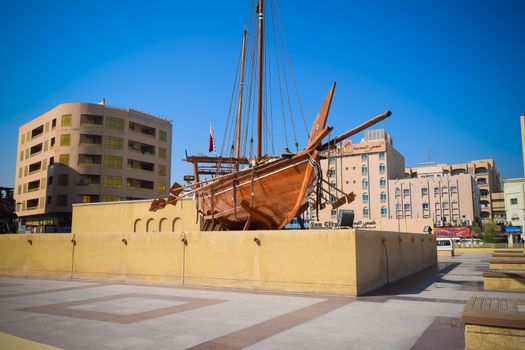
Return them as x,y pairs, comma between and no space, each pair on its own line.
211,143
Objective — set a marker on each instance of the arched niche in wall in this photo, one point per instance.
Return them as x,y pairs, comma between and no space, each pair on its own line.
149,225
173,224
163,225
136,225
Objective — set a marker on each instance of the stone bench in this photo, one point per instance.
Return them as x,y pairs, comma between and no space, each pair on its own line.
494,323
518,251
504,279
508,255
513,263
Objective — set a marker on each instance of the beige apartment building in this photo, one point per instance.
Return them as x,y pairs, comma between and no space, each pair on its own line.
441,201
487,178
363,168
83,153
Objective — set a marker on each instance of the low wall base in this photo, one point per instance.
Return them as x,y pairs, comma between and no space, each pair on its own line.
346,262
489,338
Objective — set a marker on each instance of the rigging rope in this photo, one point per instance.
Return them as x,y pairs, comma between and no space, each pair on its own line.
291,68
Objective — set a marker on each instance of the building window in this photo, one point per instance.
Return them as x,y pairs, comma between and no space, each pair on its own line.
113,142
331,171
53,123
63,159
364,170
384,211
365,184
65,140
22,156
424,191
382,196
52,142
444,190
365,212
27,153
86,199
365,197
46,145
32,203
364,157
381,168
436,191
331,160
445,205
382,182
163,135
46,128
66,120
381,155
114,123
162,170
161,187
398,192
20,173
112,181
513,201
110,198
162,153
114,162
425,206
406,206
23,139
406,192
333,213
453,189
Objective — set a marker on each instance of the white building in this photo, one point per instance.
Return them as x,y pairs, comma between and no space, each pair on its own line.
514,190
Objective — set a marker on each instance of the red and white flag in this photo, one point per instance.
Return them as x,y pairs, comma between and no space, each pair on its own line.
211,143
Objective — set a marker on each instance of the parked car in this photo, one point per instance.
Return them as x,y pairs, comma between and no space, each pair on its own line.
445,244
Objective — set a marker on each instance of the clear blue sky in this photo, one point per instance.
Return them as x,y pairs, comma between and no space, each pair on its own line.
452,72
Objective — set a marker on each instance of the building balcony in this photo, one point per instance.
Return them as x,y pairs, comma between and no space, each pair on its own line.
142,130
140,185
91,120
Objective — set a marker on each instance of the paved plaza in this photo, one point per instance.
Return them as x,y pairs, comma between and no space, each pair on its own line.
421,312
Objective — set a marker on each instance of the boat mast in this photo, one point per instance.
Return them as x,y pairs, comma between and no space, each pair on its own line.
260,92
239,110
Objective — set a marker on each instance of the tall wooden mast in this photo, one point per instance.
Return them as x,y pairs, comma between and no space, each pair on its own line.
260,10
239,109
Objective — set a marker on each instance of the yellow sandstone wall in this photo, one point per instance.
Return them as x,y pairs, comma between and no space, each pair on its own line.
385,257
303,261
131,256
317,261
134,216
36,255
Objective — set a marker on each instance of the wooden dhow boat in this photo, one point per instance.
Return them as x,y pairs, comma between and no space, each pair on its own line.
265,192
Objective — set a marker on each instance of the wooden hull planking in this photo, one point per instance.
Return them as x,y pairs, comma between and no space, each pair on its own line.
281,190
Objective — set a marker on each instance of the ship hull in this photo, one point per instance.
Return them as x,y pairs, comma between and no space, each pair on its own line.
265,197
